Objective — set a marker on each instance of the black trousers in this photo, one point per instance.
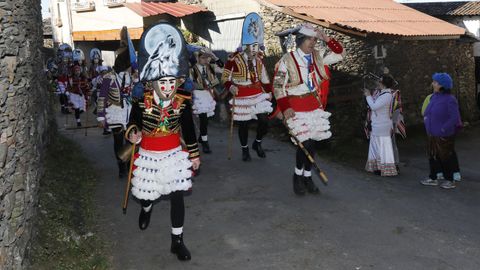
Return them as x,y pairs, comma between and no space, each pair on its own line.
262,128
77,113
203,124
118,143
177,208
448,167
301,159
442,157
63,100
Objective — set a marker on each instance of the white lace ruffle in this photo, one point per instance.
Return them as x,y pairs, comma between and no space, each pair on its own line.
77,101
116,115
311,125
160,173
203,102
247,108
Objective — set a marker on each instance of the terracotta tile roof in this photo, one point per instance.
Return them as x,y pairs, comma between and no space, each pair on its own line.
369,16
146,9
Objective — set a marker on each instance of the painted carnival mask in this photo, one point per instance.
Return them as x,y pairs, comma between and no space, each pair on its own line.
77,71
165,87
204,59
252,50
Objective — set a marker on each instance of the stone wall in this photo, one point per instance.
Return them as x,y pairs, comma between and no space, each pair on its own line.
23,122
413,63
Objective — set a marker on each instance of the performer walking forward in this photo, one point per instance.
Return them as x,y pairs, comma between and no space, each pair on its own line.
78,92
203,75
297,81
114,101
246,78
156,121
63,83
113,110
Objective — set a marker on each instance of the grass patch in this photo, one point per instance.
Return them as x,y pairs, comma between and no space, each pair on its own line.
65,236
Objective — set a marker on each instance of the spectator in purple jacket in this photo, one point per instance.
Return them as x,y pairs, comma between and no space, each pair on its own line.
441,120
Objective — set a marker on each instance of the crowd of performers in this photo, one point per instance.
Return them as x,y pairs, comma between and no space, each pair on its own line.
149,103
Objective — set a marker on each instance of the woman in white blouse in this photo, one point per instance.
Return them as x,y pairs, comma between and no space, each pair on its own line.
381,158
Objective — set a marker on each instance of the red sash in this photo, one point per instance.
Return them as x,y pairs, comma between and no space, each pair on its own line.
163,143
304,103
249,90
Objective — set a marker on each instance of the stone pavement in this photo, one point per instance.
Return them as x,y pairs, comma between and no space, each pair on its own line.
245,215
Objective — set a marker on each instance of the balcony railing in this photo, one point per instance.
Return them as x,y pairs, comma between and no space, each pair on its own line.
80,6
114,3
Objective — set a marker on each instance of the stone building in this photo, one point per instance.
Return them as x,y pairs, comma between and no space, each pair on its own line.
24,118
375,33
465,14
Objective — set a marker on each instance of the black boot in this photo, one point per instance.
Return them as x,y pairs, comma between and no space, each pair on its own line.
179,248
65,110
298,184
310,185
246,154
122,169
257,146
205,146
144,219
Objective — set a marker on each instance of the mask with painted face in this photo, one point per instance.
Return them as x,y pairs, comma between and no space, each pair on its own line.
252,50
165,87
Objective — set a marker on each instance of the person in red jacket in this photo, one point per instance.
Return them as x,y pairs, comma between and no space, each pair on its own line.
79,92
246,78
297,87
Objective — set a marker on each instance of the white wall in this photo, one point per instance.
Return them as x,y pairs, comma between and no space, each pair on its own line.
229,19
472,24
59,10
223,7
105,18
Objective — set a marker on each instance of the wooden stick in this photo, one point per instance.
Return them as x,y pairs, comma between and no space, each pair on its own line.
230,142
127,188
323,176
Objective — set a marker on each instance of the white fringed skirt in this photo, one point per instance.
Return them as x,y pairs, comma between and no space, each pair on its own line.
203,102
313,125
116,115
77,101
160,173
247,107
